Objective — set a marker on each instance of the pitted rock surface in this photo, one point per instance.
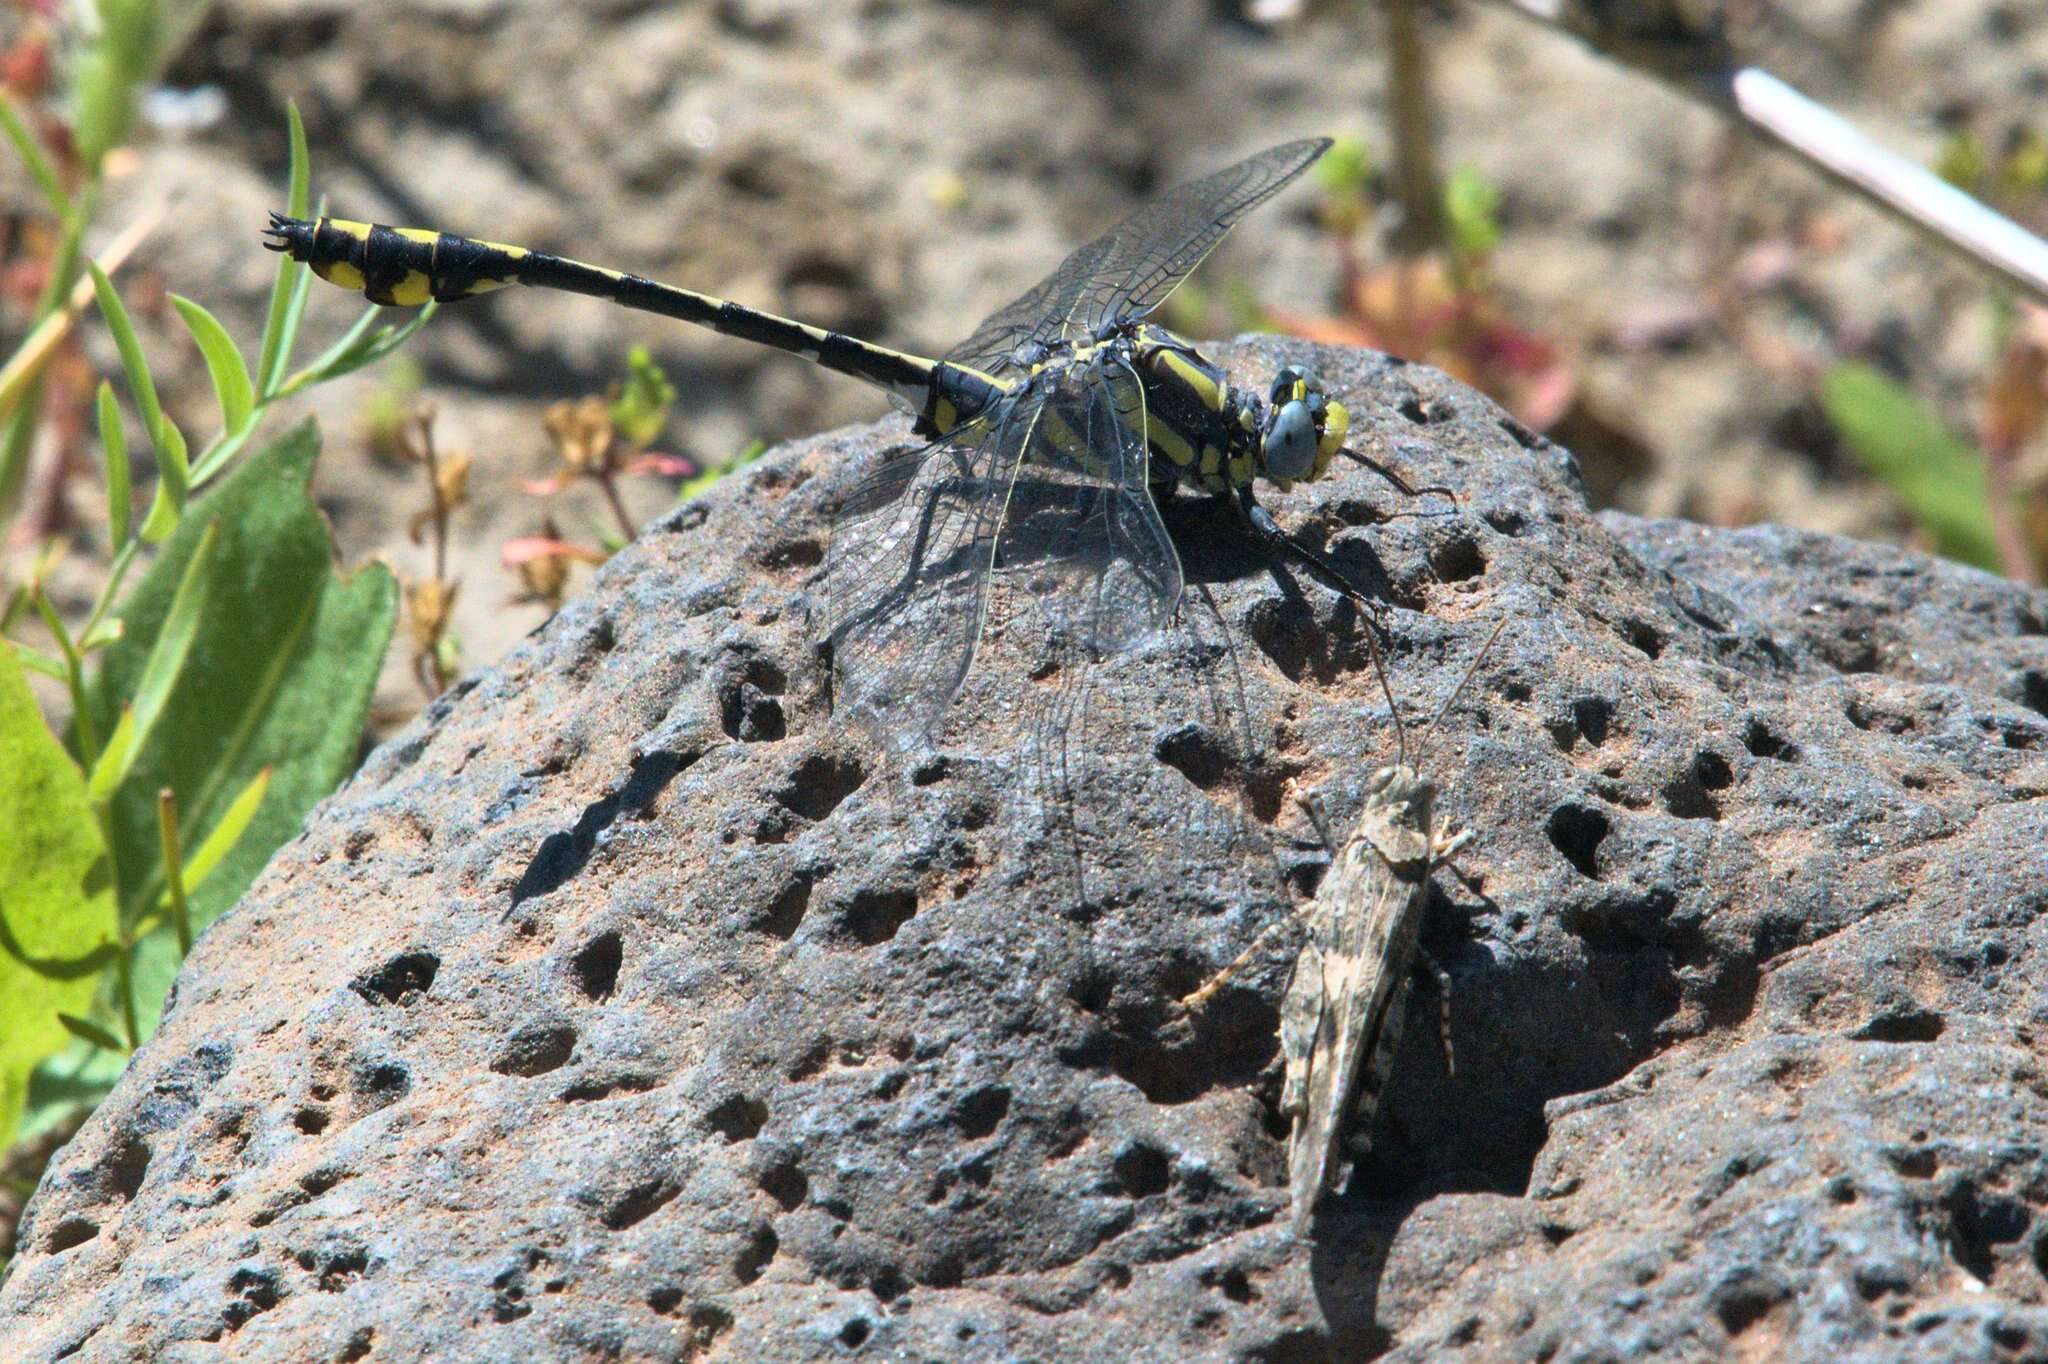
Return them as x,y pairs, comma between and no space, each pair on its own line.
628,1007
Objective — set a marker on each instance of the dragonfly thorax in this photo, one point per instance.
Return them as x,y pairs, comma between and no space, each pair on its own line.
1207,432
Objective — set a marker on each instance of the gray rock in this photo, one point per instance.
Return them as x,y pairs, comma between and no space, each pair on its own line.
627,1007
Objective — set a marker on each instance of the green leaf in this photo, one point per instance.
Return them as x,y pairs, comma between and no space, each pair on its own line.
1962,162
358,347
172,442
221,451
112,764
351,342
36,661
120,488
172,472
101,635
1939,477
16,440
87,737
752,451
162,518
31,153
92,1034
1472,212
165,666
223,362
56,905
69,1083
281,670
387,340
1347,167
108,75
228,832
641,409
280,329
294,314
2024,173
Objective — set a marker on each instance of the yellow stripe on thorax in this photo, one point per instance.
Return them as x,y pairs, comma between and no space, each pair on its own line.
1200,384
1171,443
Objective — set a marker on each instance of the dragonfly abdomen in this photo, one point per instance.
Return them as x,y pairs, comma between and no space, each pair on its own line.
406,267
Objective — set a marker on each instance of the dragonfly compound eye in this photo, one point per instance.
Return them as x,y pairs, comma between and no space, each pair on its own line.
1288,385
1290,451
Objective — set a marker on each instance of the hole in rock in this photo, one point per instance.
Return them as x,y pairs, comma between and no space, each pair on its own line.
874,916
982,1111
819,784
400,981
756,1255
1577,832
535,1049
562,855
1142,1170
596,966
786,1183
738,1118
1762,743
639,1203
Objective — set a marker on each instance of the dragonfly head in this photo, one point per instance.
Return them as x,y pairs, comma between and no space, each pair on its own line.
1304,429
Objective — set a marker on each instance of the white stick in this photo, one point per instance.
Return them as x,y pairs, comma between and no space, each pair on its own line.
1699,65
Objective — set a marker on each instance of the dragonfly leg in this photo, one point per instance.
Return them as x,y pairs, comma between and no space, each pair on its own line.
1268,530
1406,488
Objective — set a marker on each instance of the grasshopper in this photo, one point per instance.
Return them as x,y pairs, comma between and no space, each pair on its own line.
1340,1022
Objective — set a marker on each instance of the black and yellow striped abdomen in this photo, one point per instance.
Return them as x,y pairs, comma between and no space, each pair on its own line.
406,267
399,267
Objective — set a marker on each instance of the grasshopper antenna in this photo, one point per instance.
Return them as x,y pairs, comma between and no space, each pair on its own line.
1379,666
1456,691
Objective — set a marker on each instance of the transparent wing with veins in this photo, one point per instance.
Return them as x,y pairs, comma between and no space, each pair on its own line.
1048,499
1130,269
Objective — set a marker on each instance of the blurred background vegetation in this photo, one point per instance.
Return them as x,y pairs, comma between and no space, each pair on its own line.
1715,331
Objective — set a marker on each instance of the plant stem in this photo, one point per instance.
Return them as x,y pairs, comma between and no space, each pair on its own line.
1416,183
432,459
122,560
606,481
124,986
65,266
74,680
174,866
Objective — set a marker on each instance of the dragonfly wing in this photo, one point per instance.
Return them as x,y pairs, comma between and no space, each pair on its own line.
1130,269
1036,316
1161,244
906,579
1084,539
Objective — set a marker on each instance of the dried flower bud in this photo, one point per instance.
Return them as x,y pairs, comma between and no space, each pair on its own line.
429,604
451,480
582,432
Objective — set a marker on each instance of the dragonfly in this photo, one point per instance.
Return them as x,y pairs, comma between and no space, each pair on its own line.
1045,441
